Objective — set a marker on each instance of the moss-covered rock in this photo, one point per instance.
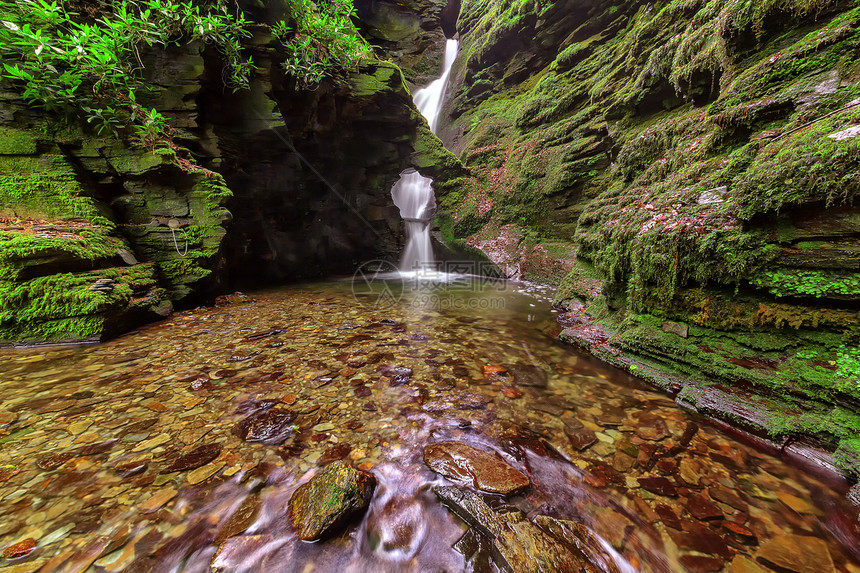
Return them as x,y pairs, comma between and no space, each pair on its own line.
87,226
329,499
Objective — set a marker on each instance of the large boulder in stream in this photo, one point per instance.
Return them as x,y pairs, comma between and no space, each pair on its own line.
519,545
482,470
329,499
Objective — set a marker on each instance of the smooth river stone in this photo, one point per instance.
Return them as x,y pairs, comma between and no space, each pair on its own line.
484,471
329,499
197,457
797,553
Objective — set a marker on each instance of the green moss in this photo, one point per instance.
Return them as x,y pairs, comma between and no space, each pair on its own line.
45,187
17,141
62,306
377,77
847,456
583,282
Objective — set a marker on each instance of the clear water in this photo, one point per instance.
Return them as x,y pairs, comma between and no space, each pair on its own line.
86,432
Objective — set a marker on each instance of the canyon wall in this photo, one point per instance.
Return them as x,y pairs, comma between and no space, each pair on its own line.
686,171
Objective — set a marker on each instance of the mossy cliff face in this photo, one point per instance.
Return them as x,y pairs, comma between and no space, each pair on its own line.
87,248
408,31
688,162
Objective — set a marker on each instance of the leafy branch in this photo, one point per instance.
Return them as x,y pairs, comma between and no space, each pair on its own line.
88,65
322,42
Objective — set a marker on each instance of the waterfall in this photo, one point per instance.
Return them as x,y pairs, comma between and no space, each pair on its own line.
413,194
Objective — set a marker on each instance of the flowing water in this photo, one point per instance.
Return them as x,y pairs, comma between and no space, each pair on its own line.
413,193
88,435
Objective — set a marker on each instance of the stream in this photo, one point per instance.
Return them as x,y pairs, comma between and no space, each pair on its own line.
91,440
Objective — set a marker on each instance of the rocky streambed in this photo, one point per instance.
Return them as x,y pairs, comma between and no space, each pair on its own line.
318,428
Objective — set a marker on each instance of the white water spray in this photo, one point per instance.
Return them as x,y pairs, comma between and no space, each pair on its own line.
413,194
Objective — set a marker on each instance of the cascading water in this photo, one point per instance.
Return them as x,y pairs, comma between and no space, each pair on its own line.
413,194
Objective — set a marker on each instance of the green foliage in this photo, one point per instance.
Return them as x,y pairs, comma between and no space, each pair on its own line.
804,282
322,41
87,67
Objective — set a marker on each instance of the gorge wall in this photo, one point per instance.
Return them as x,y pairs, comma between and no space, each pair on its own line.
273,183
686,171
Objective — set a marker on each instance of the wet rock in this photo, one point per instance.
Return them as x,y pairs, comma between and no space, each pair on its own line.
493,370
527,374
854,494
697,537
512,393
795,503
652,428
197,457
233,554
240,520
658,485
797,553
235,298
399,524
320,381
727,496
329,499
398,375
484,471
259,335
271,427
701,564
201,383
741,564
520,545
130,469
668,516
337,452
580,438
362,391
244,357
157,500
740,533
99,448
473,401
702,508
49,463
474,547
20,549
203,473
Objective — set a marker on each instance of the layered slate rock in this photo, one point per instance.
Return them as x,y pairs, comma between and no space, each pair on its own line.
99,234
329,499
469,465
520,545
